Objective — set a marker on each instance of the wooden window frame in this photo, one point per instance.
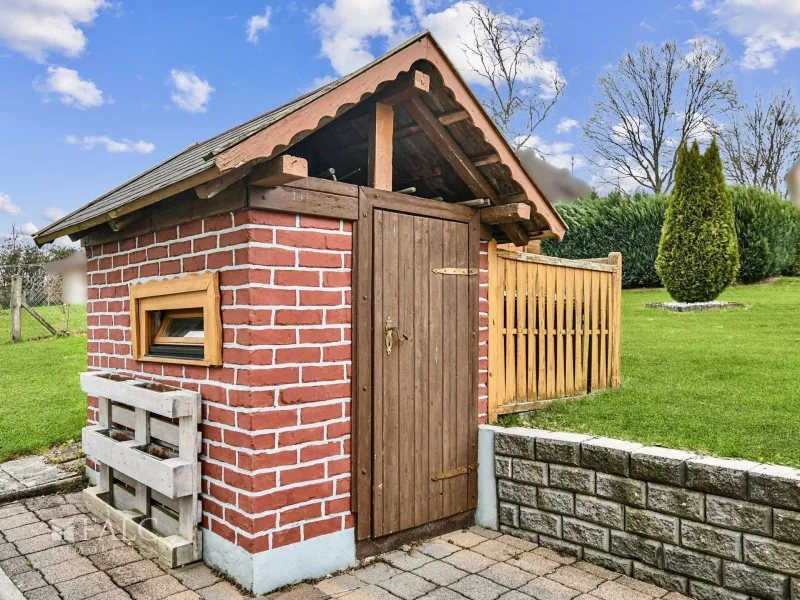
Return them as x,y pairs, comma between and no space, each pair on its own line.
195,292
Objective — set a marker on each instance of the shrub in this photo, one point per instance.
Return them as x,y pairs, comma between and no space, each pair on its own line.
698,256
768,229
616,223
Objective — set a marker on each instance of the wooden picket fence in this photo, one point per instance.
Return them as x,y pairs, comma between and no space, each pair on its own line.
554,328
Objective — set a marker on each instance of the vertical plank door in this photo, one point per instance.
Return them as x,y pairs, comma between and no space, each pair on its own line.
421,390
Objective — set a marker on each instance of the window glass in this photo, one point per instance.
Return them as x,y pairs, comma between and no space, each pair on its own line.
184,327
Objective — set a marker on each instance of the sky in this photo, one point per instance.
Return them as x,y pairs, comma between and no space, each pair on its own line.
93,92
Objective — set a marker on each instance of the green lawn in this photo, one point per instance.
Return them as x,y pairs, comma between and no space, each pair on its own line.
41,402
725,383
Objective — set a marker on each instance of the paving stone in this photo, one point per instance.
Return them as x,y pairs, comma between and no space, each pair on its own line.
445,594
517,543
440,573
647,589
8,510
438,548
195,576
26,531
100,544
85,586
476,587
611,590
52,556
534,563
42,502
221,591
597,571
116,595
339,585
301,591
464,539
578,579
489,534
554,556
64,571
496,550
115,558
469,561
8,551
187,595
369,592
28,581
507,575
514,595
131,573
15,566
376,572
39,543
406,561
520,534
407,586
161,587
44,593
18,520
547,589
57,512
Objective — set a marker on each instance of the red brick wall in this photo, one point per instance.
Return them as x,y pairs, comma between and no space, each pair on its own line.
276,414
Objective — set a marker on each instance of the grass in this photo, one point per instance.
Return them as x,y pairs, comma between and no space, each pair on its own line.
41,403
725,383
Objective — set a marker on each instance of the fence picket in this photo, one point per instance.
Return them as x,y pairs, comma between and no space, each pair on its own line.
510,302
569,309
532,332
521,301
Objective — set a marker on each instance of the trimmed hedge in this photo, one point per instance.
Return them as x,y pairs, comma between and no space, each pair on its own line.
767,226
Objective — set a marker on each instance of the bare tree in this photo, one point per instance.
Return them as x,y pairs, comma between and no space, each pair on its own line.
656,100
760,143
504,50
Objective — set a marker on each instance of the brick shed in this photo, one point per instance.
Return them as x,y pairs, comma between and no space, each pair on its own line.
318,276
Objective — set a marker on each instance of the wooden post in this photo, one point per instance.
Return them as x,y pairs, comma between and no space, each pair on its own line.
615,259
495,296
16,307
381,129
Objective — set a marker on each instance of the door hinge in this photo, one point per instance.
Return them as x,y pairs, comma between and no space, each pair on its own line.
456,271
455,472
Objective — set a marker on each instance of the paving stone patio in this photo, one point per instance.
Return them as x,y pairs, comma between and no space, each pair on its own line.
52,549
34,475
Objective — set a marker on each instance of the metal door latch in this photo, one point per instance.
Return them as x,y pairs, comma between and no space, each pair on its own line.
390,330
455,472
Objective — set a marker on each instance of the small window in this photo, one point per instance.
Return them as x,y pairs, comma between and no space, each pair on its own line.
177,320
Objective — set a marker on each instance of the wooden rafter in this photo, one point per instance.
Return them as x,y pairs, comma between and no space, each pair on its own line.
279,171
379,164
505,213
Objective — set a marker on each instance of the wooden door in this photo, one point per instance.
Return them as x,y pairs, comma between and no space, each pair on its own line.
423,401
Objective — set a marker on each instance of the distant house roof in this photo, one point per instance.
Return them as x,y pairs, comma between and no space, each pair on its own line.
557,185
274,132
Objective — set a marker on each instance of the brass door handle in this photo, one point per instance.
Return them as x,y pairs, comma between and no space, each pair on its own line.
390,330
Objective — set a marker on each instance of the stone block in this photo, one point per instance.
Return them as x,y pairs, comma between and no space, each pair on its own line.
561,546
713,540
540,522
705,591
515,441
719,476
521,534
622,490
786,524
562,448
516,493
776,486
502,466
758,582
575,479
508,514
652,524
529,471
771,554
676,501
693,564
608,561
633,546
739,515
585,534
608,455
661,465
603,512
558,501
662,579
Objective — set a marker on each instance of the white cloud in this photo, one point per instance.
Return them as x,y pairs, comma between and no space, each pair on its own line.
70,88
559,154
191,93
258,23
566,125
66,242
89,142
36,28
7,207
28,228
646,24
53,213
767,28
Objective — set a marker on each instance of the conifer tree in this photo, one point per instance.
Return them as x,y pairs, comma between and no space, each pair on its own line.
698,256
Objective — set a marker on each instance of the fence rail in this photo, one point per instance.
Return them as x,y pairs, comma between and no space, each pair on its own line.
554,328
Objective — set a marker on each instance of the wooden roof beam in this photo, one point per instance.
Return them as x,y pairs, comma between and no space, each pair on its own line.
505,213
279,171
404,88
468,172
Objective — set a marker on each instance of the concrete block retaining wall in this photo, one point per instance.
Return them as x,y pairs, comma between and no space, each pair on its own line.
712,528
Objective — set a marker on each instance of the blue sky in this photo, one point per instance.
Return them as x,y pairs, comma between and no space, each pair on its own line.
93,92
